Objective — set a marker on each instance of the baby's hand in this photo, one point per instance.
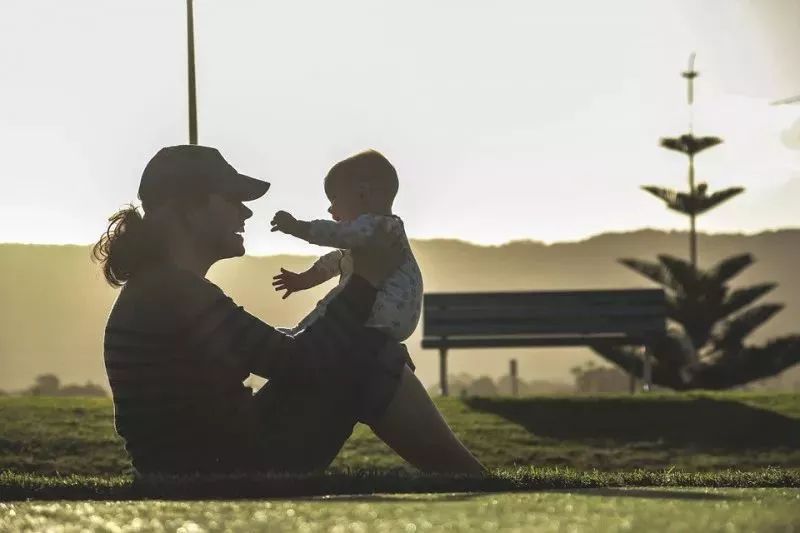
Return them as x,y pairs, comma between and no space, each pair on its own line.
284,222
289,282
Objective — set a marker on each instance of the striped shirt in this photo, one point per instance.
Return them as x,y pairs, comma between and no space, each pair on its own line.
177,350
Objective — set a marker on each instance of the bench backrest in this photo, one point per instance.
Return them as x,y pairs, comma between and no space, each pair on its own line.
624,313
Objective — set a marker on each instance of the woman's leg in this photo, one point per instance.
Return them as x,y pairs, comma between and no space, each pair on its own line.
303,428
414,428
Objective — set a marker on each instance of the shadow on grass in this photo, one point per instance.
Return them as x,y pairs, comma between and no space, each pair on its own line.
702,424
392,498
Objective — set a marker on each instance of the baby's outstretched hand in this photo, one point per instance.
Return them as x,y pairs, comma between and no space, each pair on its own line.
284,222
289,282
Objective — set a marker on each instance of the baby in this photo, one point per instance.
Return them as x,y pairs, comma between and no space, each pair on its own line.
361,190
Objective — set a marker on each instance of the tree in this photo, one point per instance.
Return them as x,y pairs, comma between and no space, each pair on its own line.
704,346
46,385
697,200
590,378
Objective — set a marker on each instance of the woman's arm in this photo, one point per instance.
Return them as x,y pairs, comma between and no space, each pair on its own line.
214,327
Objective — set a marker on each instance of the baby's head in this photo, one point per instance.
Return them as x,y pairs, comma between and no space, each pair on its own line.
363,183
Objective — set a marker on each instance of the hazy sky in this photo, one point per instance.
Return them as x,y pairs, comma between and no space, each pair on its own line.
506,120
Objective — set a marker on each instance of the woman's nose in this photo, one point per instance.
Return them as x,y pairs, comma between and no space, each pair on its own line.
246,211
330,210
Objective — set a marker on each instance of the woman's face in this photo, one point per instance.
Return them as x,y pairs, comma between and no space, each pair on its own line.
217,226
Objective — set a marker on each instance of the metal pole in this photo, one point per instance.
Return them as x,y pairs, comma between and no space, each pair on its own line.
690,76
192,91
443,370
692,230
514,380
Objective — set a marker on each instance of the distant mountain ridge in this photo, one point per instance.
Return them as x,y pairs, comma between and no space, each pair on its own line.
56,302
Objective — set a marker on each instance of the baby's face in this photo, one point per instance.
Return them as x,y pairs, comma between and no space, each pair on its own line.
347,202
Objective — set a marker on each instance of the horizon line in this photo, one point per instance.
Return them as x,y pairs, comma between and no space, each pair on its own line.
494,245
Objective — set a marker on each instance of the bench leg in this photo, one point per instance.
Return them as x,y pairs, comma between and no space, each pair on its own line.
647,378
443,371
512,372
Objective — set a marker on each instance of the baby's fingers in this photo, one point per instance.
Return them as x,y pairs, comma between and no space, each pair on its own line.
283,275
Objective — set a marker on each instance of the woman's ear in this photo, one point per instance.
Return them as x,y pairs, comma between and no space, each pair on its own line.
193,211
192,216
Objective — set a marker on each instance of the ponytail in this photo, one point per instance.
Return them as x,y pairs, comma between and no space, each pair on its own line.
128,245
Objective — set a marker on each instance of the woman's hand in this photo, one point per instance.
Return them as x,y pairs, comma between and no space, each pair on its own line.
380,257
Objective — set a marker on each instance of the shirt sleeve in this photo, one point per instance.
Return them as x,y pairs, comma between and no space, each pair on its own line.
329,264
350,234
212,326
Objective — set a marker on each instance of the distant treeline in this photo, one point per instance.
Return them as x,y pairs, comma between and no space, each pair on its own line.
50,385
588,379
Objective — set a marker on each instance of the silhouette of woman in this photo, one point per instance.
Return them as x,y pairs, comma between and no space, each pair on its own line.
177,348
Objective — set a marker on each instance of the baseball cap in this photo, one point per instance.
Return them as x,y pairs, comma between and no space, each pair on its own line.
176,170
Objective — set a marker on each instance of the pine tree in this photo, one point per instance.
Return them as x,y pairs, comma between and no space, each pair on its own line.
704,346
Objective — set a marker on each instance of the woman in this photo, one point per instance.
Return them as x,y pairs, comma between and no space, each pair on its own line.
177,348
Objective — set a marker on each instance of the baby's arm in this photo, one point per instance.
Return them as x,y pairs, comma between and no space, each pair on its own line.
350,234
321,271
327,266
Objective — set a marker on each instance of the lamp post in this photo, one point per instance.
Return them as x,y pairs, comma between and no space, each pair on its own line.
190,58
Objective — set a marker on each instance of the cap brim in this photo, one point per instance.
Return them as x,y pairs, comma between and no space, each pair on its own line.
246,188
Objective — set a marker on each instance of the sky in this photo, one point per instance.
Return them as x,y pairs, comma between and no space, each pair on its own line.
505,120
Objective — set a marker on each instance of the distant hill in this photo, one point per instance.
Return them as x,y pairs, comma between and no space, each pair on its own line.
55,301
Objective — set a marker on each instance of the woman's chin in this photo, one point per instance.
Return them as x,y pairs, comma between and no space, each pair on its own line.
234,247
239,246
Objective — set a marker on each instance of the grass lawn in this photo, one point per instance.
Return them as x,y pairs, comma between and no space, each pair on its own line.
593,510
697,432
697,462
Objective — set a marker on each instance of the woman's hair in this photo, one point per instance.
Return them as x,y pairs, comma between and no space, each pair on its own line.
129,244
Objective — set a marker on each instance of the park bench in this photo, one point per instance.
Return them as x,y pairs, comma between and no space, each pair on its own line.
543,318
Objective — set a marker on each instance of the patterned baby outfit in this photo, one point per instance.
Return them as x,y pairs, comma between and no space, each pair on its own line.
399,301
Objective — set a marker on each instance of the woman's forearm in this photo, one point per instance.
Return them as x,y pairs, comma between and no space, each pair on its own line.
331,345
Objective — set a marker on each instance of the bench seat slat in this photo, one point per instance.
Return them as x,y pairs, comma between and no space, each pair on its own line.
554,325
543,312
580,297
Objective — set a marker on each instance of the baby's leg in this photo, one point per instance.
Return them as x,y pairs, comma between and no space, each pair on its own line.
397,326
